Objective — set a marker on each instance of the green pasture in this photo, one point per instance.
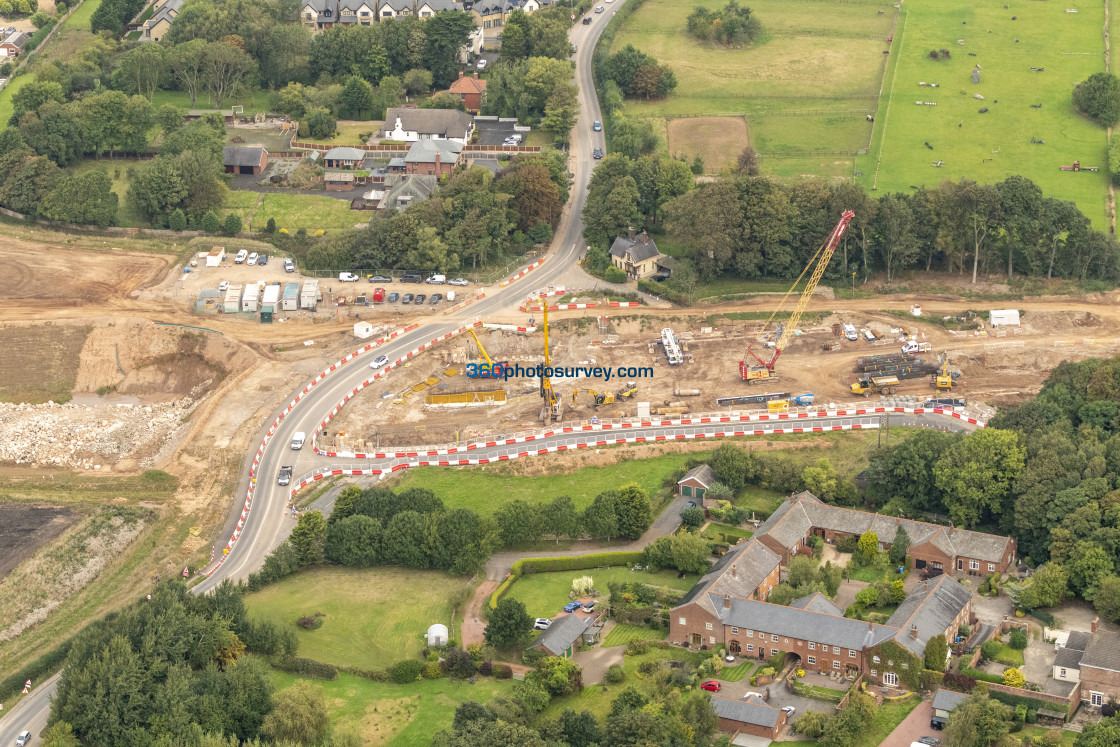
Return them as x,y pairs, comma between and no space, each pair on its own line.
312,212
992,146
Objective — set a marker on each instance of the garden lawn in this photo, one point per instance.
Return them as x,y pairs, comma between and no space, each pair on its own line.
887,717
374,617
254,100
872,575
347,134
732,534
295,211
623,633
762,501
737,672
1010,656
989,147
407,715
545,594
1034,732
483,489
807,84
6,109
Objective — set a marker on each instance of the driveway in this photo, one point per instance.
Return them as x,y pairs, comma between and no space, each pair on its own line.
991,610
846,594
594,662
913,726
778,696
493,131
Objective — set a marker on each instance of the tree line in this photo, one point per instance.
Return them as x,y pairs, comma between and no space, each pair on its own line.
732,25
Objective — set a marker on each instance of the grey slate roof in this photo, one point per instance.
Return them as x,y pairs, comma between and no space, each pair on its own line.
932,607
17,39
738,573
1078,641
413,187
439,122
947,700
752,711
794,623
425,151
345,154
817,602
641,247
1070,658
1103,652
564,631
235,156
703,474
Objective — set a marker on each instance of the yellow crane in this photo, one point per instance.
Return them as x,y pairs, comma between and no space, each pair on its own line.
480,348
554,405
819,261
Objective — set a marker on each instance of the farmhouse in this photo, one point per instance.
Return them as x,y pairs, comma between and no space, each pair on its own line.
410,125
470,89
638,257
1099,667
244,160
750,716
696,482
433,157
932,547
13,44
163,15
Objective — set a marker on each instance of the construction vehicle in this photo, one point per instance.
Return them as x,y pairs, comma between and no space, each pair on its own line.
765,370
758,399
627,391
553,408
876,385
943,379
598,399
494,369
778,405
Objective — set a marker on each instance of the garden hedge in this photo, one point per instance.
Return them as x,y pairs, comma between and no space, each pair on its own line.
572,563
305,667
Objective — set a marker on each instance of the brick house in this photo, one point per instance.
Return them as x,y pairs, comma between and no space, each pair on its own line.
433,157
343,158
13,44
1100,668
638,256
751,716
470,89
244,160
932,547
696,482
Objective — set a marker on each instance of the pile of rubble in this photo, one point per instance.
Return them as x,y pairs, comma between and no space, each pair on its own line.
86,437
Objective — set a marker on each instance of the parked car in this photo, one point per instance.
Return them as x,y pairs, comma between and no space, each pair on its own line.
542,623
597,126
379,362
252,259
457,281
394,297
587,20
23,738
597,153
223,286
411,278
789,711
572,606
924,740
380,279
347,277
406,298
687,505
436,280
590,606
481,64
285,475
262,260
710,686
436,298
289,266
240,258
751,693
419,299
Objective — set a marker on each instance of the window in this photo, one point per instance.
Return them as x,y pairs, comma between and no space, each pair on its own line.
905,665
937,566
750,647
773,652
835,665
707,626
799,644
712,640
991,567
812,646
851,654
889,678
750,634
681,621
824,648
774,637
1096,699
1062,672
874,672
812,660
735,630
974,565
960,564
875,659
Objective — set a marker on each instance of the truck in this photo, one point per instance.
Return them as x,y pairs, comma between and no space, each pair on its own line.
850,332
298,439
378,295
876,385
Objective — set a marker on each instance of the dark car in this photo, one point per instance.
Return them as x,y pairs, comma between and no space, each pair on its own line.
419,298
587,20
406,298
436,298
688,505
285,475
262,260
711,686
597,126
597,153
394,297
572,606
380,279
411,278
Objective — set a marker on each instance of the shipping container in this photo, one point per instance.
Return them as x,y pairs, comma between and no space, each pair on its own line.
232,303
1004,318
290,301
310,295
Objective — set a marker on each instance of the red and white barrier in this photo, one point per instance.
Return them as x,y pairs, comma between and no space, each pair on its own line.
624,304
525,271
508,327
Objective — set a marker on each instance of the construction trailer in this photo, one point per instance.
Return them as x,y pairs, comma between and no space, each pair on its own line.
1003,318
270,301
309,296
672,347
290,299
215,256
232,303
250,299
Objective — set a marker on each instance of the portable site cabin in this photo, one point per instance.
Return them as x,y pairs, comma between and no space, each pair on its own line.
362,330
1004,318
310,295
251,298
232,303
215,256
290,301
271,298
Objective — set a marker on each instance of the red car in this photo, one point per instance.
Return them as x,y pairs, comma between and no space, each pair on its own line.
711,685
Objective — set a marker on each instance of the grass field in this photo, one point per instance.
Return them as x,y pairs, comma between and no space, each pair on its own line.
485,488
545,594
295,211
374,617
406,715
717,140
254,100
820,60
989,147
623,633
41,363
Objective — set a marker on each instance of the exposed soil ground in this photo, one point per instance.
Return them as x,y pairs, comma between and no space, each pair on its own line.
24,529
46,276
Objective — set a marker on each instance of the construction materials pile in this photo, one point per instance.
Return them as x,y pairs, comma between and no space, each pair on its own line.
900,365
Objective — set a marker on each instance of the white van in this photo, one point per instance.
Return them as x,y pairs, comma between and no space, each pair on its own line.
436,280
451,296
240,258
298,439
347,277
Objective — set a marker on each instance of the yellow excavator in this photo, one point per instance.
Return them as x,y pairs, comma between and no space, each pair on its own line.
765,370
599,399
943,379
628,391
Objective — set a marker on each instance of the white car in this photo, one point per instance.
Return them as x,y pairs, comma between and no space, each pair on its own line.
379,362
542,623
252,259
23,738
788,709
223,286
347,277
481,65
457,281
747,695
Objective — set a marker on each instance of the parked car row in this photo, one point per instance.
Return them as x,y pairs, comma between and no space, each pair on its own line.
349,277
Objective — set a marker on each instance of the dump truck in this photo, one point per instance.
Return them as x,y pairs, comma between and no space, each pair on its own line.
876,385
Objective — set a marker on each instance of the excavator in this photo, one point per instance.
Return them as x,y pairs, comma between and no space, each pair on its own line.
599,399
628,391
764,372
943,379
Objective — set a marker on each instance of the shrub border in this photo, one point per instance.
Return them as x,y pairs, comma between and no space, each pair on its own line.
567,563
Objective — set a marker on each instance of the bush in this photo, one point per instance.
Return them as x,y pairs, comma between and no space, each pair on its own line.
433,671
961,683
1017,639
405,671
210,222
34,671
614,674
637,648
990,649
38,37
1013,677
305,667
976,674
614,275
847,544
311,622
232,225
503,671
177,221
692,517
270,227
485,668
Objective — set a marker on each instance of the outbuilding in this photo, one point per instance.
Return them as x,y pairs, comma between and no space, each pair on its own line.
271,298
944,701
251,298
750,716
1003,318
244,160
232,303
363,330
437,635
309,297
215,256
696,482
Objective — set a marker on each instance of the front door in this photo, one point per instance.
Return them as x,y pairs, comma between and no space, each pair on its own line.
960,565
890,679
697,640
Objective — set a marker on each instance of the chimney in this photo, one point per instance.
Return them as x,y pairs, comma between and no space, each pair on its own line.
897,521
437,161
914,632
630,233
950,529
1093,625
732,570
461,74
870,627
476,75
727,601
645,237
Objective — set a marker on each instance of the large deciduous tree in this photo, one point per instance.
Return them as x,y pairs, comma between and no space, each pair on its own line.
976,473
509,624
